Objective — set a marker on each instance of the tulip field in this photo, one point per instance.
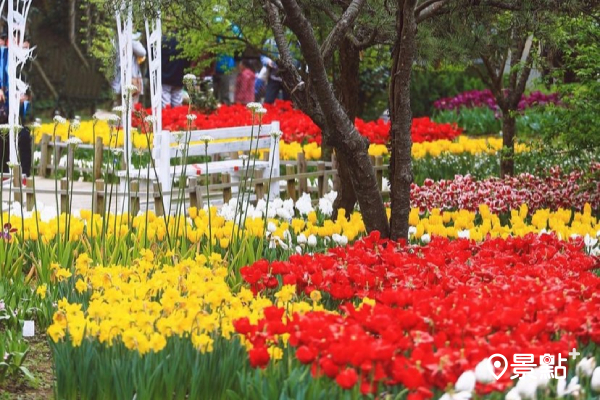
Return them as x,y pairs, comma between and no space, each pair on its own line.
495,293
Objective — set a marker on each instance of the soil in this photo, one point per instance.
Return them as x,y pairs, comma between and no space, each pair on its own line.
39,363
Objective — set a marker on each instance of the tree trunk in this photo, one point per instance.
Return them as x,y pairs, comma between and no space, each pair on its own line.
347,91
401,176
343,134
507,159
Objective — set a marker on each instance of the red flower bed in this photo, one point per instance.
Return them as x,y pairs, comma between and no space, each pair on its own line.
297,126
441,309
557,190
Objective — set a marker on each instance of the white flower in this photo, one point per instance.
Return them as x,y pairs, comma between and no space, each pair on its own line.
74,140
118,109
586,366
325,206
513,394
425,238
189,79
343,240
298,250
527,386
301,238
253,106
465,382
595,381
261,111
283,214
131,88
304,204
276,134
4,128
59,120
412,230
312,240
12,165
150,119
456,396
574,236
206,138
271,227
464,234
589,241
37,124
573,388
336,238
191,117
118,150
483,371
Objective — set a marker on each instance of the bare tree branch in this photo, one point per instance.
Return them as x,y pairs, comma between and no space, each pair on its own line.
362,44
435,8
341,27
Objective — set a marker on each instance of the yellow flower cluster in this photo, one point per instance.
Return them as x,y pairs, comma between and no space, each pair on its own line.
143,304
85,132
449,223
464,144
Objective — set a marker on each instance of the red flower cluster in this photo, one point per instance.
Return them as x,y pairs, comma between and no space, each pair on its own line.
440,309
295,125
557,190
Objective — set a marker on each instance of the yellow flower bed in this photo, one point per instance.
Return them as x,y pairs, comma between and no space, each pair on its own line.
449,223
145,303
464,144
196,228
288,151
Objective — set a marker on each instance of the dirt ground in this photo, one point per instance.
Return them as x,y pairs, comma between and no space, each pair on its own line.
39,363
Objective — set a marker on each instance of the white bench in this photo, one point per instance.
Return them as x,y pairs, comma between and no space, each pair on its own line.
226,141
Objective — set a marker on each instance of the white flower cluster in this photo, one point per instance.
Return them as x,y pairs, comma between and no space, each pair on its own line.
59,120
74,141
326,203
150,119
191,117
253,106
189,79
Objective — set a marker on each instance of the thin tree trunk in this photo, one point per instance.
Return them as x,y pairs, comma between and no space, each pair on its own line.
348,95
401,176
507,160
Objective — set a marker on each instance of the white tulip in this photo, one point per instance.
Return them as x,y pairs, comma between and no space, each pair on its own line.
465,382
527,386
512,395
312,241
586,366
595,381
301,238
425,238
483,372
573,388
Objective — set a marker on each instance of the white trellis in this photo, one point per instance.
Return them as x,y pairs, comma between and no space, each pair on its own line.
124,32
17,57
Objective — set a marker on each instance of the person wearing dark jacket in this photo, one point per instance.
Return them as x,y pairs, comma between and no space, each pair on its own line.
173,70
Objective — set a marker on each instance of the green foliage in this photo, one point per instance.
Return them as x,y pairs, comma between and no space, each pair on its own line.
13,351
475,121
428,85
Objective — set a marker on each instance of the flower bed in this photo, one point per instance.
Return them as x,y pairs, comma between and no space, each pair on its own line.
485,98
555,191
437,311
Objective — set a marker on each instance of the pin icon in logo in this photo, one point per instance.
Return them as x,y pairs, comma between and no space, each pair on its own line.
496,363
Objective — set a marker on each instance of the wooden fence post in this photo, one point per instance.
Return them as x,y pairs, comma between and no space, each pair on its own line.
98,158
70,161
64,195
336,176
44,156
135,198
99,201
303,182
195,191
225,179
259,187
159,206
321,183
17,183
30,195
290,171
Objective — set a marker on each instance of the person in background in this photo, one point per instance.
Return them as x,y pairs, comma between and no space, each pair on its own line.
244,83
24,144
262,77
138,57
173,70
275,81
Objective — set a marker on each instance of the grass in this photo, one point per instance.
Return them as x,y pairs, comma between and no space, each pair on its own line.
39,363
